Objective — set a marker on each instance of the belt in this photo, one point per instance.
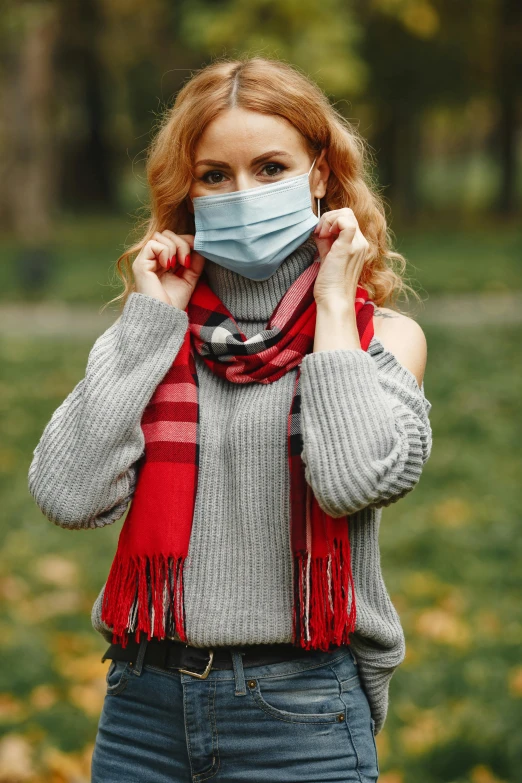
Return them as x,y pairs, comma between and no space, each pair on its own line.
198,661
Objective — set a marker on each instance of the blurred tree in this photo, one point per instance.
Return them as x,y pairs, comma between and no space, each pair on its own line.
27,36
85,169
401,57
145,61
427,52
83,82
509,91
416,60
321,38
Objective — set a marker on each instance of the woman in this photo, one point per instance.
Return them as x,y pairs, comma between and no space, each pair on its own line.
259,406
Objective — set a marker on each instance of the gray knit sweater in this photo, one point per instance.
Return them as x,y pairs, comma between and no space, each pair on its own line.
366,437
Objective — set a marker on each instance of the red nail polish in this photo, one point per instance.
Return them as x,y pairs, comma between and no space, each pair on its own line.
186,262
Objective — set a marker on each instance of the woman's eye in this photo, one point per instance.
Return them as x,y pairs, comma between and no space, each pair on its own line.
213,177
273,169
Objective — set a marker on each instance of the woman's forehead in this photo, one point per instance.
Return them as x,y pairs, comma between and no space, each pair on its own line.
244,131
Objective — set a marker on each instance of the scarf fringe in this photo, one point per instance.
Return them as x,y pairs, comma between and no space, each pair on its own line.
323,613
145,594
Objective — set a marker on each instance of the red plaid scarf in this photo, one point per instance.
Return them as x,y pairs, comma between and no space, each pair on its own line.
144,590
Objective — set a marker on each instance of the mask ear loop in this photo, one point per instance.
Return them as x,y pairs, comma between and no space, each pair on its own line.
317,199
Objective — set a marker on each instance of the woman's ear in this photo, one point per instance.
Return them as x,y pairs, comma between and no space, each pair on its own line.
321,174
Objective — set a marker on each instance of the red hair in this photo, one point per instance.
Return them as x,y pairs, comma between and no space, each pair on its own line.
277,88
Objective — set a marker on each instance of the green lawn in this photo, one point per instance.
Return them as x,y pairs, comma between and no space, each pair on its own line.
451,555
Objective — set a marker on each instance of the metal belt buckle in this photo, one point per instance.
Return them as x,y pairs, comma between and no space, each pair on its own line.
205,673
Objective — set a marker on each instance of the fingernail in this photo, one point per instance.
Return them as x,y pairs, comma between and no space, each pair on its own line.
186,262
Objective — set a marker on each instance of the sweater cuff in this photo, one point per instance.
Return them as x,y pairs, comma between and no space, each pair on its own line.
341,393
340,368
149,323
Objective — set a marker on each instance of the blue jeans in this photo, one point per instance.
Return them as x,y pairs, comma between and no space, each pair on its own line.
304,720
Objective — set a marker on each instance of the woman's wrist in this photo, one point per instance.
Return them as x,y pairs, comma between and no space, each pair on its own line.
336,325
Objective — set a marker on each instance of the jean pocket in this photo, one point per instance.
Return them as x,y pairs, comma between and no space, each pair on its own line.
310,695
362,728
117,677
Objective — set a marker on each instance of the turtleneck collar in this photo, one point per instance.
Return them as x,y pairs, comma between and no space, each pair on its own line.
256,300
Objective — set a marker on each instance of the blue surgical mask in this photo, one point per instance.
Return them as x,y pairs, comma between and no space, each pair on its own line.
252,231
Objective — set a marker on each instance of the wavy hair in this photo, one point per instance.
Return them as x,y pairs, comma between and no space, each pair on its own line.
270,87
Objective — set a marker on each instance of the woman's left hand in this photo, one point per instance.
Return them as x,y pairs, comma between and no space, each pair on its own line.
343,250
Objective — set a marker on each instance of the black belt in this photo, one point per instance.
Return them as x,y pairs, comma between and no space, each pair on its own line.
198,661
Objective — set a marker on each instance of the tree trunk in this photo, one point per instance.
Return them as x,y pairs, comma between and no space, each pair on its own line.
509,75
86,157
397,146
27,105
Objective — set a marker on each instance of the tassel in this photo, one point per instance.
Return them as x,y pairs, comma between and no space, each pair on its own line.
145,595
323,613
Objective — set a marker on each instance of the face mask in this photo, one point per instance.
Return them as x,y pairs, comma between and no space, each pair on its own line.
252,231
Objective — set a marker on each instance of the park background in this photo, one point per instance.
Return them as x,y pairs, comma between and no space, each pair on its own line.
435,87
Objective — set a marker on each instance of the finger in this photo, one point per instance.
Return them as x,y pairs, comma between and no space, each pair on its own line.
187,237
161,251
181,248
160,237
197,262
324,246
188,240
321,224
183,245
192,272
343,224
323,228
329,217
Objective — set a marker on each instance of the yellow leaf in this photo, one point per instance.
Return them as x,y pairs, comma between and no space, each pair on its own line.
15,758
88,698
515,681
392,776
43,696
483,774
427,730
444,627
453,512
83,669
11,708
57,570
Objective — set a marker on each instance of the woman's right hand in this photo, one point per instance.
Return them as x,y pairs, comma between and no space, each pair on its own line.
168,268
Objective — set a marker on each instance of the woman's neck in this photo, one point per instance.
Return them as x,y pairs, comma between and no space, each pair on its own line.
256,300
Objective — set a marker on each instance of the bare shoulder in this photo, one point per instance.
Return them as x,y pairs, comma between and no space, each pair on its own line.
403,337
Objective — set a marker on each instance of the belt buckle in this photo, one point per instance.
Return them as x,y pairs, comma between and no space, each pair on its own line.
205,673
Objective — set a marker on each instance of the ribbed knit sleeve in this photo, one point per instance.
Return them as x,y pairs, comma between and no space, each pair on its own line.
366,431
84,468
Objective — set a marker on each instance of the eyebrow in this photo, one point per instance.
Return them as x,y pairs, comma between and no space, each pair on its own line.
259,159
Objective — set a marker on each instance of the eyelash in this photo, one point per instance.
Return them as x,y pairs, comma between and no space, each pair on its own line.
204,179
